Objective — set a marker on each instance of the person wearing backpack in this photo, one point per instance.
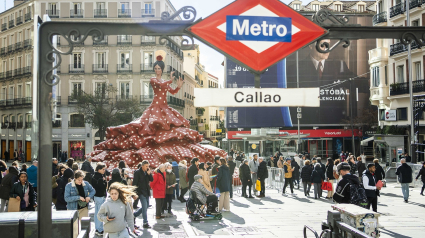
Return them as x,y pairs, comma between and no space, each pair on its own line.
369,184
343,189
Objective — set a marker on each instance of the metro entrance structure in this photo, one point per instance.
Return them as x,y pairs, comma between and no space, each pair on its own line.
49,59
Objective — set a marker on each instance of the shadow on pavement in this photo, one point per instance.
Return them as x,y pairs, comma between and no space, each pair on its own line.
417,204
167,228
392,195
238,204
255,201
393,234
233,217
269,199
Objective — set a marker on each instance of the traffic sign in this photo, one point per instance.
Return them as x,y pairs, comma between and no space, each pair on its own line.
257,33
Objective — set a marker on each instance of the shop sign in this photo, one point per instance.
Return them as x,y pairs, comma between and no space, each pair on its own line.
390,115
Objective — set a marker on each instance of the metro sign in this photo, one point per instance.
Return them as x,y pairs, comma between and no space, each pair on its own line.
257,33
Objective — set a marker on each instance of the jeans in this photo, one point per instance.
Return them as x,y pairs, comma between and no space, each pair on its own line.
176,189
306,186
98,201
121,234
405,190
144,209
317,190
3,207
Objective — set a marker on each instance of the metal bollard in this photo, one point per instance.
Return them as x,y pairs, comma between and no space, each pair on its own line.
86,226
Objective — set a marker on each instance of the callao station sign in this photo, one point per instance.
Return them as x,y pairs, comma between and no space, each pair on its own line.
256,34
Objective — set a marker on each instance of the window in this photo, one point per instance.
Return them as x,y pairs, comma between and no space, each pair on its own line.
296,7
148,90
415,23
125,60
28,118
11,64
4,66
124,6
11,92
19,62
76,120
148,8
76,89
360,8
20,118
386,75
125,90
148,58
3,94
28,60
19,91
100,6
400,74
77,61
12,118
417,70
375,76
77,8
101,60
11,39
402,114
19,37
27,90
101,89
338,7
53,9
316,7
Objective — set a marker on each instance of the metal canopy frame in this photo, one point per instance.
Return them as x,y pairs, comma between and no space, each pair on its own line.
50,58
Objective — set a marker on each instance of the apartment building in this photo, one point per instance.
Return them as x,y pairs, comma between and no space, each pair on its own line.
122,61
389,88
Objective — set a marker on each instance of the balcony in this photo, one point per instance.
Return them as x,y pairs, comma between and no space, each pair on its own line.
379,18
76,123
3,51
56,124
4,26
100,68
19,125
10,49
121,40
11,23
2,76
146,68
27,43
400,48
28,124
102,42
124,68
26,101
18,72
2,103
76,13
72,100
28,16
10,102
148,13
19,20
175,101
403,88
19,46
9,74
12,125
148,40
58,100
27,70
214,118
76,69
100,13
124,13
396,10
53,13
146,99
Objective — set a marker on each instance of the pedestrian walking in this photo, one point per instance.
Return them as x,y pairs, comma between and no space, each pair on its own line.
142,178
404,172
24,193
262,175
330,172
184,183
253,166
170,183
32,174
116,177
6,185
245,177
317,177
369,184
361,167
408,158
193,170
379,173
343,189
306,173
116,213
70,162
176,192
6,156
88,169
100,184
158,189
223,185
61,169
422,175
322,166
205,177
78,194
60,190
288,176
352,164
15,155
232,166
296,173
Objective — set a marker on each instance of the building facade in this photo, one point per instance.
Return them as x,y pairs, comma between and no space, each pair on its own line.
122,61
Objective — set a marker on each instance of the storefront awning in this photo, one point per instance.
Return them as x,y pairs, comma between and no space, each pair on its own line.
366,141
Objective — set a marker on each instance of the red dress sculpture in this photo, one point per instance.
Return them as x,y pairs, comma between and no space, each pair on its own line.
160,134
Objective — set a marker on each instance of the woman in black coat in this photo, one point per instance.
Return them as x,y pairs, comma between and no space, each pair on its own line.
296,172
245,176
24,192
223,178
317,177
422,173
330,176
379,172
6,185
60,189
306,172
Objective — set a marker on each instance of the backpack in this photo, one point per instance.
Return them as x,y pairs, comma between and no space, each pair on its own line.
358,195
190,206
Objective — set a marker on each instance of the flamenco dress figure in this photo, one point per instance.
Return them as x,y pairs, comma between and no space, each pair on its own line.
160,134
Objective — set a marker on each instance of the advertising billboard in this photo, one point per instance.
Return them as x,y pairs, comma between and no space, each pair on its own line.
342,76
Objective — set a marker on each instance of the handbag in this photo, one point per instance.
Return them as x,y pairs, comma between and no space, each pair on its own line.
81,203
258,185
327,186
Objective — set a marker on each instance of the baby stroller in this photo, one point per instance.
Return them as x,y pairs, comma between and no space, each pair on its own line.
197,210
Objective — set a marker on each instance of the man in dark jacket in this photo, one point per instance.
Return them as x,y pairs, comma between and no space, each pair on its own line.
404,172
379,173
214,171
54,167
352,165
100,184
88,169
262,174
62,182
6,185
369,184
142,178
245,176
361,167
232,166
193,170
296,173
342,191
322,166
317,177
306,173
408,158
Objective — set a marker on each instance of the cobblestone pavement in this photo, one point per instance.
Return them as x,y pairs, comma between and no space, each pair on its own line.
285,216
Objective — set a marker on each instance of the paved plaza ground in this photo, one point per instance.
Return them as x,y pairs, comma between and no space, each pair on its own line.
285,216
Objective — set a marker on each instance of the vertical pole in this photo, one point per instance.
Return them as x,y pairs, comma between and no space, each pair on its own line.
298,85
45,153
412,113
351,119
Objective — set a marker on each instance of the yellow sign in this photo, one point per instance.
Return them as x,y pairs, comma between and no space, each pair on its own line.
254,146
218,130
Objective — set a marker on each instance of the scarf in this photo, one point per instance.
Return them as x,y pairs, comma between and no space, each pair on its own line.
26,194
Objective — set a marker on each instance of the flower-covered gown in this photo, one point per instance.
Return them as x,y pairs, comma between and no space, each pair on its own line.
161,133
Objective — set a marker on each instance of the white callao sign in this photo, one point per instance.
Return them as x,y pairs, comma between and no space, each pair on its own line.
390,115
